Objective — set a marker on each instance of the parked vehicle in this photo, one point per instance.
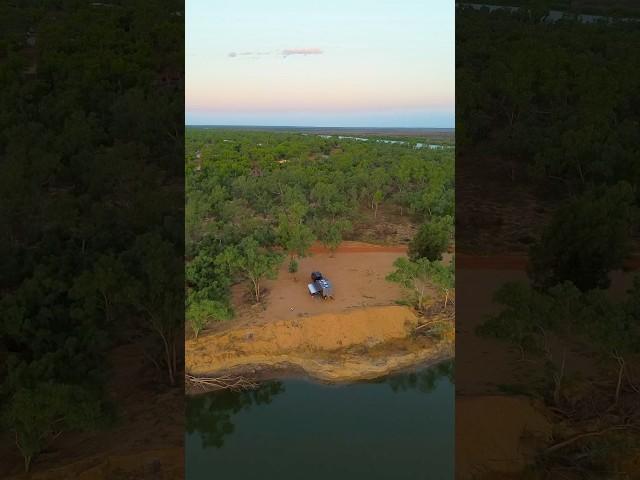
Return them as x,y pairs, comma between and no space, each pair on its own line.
320,286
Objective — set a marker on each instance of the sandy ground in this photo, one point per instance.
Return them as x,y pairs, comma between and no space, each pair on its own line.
359,334
335,347
357,276
497,434
517,262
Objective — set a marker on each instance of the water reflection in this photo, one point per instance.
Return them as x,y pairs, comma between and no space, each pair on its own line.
396,428
424,381
211,415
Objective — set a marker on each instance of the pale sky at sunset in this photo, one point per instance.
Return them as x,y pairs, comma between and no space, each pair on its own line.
320,63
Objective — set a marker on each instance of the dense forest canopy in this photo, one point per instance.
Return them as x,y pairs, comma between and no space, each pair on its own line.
91,173
253,197
560,99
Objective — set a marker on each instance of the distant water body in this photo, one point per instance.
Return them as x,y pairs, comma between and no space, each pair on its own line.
554,15
418,145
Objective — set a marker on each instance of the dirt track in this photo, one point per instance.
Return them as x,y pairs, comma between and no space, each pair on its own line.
514,262
360,247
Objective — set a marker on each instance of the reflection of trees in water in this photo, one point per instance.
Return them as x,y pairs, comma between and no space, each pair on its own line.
424,381
211,414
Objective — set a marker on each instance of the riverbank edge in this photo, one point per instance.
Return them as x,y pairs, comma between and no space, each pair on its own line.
292,369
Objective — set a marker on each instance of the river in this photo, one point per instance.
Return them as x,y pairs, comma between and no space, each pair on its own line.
400,427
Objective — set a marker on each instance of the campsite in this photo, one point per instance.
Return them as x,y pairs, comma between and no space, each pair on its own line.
319,268
262,218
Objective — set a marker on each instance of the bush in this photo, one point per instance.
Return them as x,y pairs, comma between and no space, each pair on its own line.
432,239
586,239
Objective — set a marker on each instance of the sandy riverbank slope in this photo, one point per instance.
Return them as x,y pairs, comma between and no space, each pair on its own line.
355,344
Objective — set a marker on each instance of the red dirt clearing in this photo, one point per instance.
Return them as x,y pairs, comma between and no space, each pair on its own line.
514,262
360,247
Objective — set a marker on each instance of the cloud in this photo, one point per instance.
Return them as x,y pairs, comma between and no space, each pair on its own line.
301,51
248,54
285,53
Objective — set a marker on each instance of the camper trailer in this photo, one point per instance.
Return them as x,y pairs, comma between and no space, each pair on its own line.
320,286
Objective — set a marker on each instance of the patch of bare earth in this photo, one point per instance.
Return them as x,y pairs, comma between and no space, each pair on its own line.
387,226
497,436
359,334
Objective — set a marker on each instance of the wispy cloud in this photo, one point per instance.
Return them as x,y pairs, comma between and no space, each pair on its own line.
285,53
301,51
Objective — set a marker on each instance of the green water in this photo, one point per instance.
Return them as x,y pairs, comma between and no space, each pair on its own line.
401,427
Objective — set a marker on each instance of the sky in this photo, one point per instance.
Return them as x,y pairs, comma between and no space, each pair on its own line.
338,63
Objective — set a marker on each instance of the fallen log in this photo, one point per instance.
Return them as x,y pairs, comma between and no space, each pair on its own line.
224,382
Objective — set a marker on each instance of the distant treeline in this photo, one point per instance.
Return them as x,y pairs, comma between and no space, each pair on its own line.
614,8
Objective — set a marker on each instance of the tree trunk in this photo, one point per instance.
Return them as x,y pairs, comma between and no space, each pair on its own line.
580,172
167,352
558,379
106,307
175,358
420,296
620,375
256,289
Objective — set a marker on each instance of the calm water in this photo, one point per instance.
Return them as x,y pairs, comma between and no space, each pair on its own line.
399,428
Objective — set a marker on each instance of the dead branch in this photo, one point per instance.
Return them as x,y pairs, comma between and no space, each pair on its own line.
431,323
224,382
580,436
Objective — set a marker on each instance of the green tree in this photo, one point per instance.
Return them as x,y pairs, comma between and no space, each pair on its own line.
253,261
432,239
155,295
293,234
443,277
293,267
331,232
586,239
200,313
38,415
414,276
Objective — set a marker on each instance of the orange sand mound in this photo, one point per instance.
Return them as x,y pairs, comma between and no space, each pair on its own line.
302,342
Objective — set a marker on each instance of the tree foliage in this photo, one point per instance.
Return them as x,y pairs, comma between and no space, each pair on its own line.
418,276
432,240
586,239
287,189
91,171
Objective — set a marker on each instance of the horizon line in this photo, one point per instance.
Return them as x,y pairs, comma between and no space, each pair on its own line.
311,126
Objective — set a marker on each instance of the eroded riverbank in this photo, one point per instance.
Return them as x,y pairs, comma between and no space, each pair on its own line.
357,344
